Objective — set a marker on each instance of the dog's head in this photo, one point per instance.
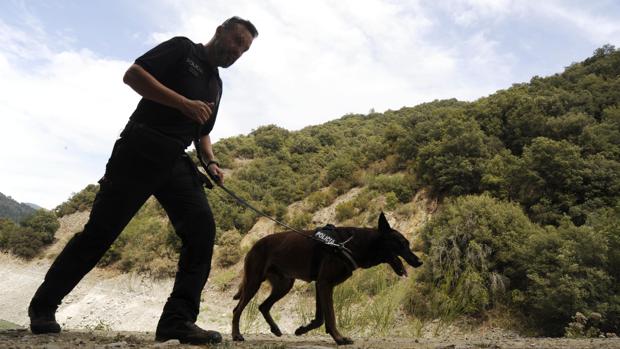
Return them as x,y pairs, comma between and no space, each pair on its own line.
392,245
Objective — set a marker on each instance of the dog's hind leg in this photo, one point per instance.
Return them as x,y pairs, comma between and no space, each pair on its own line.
249,290
318,318
280,286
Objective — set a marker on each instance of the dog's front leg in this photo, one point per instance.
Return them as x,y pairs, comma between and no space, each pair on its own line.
325,292
318,317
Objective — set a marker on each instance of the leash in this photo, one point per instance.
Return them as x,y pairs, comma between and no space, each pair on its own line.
338,246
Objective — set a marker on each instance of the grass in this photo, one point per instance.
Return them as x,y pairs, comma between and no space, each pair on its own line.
7,325
223,279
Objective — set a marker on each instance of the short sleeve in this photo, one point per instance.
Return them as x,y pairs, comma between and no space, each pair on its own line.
157,60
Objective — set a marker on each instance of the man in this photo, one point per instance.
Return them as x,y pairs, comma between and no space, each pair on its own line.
181,91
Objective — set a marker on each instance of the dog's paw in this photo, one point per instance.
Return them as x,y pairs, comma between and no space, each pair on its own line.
344,341
276,331
238,338
299,331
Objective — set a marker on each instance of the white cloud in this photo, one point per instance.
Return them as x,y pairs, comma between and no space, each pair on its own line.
314,61
62,107
61,112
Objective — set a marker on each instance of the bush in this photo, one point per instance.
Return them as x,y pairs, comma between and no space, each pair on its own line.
300,220
340,169
453,162
27,239
565,274
345,211
399,184
81,201
474,246
147,245
43,221
229,252
321,198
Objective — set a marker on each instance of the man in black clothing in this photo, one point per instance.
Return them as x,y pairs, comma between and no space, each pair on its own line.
181,91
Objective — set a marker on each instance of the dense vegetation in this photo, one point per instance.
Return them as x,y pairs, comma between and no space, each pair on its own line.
27,238
11,209
528,179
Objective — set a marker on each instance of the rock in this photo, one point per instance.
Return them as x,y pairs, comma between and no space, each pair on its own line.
310,347
610,335
168,343
116,345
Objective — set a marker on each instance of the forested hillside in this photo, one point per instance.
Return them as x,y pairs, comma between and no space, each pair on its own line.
11,209
528,181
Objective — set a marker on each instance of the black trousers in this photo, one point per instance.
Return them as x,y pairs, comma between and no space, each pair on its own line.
129,181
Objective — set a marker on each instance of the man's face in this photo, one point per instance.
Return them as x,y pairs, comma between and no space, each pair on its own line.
231,44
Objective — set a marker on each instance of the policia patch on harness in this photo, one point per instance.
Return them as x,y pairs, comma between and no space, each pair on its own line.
326,234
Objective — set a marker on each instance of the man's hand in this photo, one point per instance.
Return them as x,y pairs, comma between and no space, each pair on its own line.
214,169
198,111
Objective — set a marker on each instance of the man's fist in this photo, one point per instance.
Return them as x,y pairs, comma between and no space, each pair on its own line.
198,111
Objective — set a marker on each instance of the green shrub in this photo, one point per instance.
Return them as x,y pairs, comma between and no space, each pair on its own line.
340,169
474,247
43,221
565,274
398,184
321,198
391,200
81,201
300,220
345,211
27,239
229,252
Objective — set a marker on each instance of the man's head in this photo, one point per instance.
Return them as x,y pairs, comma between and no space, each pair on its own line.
232,38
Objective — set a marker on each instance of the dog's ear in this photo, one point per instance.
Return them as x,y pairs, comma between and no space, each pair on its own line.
384,226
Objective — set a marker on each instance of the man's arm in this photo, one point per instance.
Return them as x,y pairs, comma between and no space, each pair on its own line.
207,152
148,87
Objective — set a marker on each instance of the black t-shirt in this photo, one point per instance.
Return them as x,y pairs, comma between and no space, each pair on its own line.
180,65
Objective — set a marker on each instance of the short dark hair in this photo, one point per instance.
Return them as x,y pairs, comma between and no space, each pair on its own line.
229,23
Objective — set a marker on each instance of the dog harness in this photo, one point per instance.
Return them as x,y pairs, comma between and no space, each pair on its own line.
326,237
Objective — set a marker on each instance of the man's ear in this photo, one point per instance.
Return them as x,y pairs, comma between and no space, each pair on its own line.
384,226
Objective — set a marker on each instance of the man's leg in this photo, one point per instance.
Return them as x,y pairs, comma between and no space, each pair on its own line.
185,202
113,208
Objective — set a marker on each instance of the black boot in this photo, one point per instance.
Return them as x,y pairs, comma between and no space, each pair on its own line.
43,320
187,333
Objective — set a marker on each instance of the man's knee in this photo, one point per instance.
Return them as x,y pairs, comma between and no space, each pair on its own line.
197,225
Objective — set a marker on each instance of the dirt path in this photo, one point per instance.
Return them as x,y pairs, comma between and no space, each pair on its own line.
121,311
122,340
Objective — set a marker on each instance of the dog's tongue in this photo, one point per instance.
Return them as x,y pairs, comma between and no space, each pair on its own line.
398,266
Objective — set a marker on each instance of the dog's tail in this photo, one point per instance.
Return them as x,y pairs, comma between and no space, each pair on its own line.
243,278
253,268
238,294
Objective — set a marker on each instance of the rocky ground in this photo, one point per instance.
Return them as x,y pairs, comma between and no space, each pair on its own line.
113,339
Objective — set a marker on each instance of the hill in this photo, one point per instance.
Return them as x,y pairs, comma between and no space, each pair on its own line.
527,186
9,208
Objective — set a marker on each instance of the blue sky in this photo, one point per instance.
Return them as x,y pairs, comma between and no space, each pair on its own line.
63,103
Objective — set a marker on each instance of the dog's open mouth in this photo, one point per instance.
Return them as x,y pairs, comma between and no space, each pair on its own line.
397,265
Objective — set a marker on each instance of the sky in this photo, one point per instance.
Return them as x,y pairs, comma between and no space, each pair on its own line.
63,102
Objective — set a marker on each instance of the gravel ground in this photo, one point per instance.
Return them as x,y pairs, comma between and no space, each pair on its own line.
111,339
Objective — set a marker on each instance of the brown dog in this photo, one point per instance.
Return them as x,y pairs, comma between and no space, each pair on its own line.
283,257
